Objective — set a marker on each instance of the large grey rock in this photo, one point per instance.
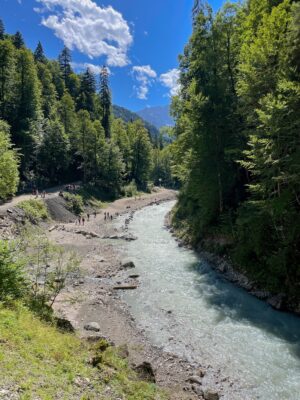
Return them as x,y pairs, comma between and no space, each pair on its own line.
92,326
211,395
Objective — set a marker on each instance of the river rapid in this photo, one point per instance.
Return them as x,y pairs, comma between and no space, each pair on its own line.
188,309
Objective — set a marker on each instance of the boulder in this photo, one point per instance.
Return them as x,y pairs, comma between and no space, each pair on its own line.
92,326
211,395
128,265
64,324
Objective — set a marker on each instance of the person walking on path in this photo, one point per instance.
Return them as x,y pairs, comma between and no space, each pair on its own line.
88,216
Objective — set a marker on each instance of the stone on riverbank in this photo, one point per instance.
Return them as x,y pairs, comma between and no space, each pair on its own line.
211,395
92,326
128,265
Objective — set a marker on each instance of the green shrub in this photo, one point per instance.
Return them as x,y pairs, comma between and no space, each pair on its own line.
35,210
13,283
74,203
130,190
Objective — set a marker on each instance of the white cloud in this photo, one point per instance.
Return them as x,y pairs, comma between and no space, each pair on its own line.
93,30
171,80
96,69
144,75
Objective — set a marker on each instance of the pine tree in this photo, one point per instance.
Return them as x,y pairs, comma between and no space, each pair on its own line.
27,105
53,153
87,90
18,40
105,99
64,60
48,92
66,112
2,29
7,79
39,55
141,153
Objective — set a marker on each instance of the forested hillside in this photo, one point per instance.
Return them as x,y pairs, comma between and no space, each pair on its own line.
237,151
129,116
57,126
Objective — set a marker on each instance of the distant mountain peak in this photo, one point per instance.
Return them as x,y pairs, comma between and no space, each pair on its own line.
158,116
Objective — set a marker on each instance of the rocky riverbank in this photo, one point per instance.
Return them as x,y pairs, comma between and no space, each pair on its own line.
223,265
91,301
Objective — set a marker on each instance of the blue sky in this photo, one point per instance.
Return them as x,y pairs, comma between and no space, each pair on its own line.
139,40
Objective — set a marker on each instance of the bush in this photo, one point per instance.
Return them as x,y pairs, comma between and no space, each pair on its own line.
35,210
74,203
13,284
130,190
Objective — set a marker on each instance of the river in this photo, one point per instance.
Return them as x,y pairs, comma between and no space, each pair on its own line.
187,308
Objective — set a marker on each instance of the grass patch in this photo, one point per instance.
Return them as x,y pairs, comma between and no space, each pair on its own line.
38,361
35,210
94,196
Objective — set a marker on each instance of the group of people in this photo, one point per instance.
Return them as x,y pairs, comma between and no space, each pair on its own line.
107,216
35,192
81,219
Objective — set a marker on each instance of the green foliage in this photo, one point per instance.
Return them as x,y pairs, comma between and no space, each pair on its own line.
58,361
9,161
141,153
13,283
130,190
74,203
105,99
237,149
35,210
63,126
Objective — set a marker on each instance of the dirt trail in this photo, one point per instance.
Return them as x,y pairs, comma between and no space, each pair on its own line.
50,193
91,296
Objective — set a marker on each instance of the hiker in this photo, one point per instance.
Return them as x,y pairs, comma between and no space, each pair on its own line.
105,216
83,220
111,217
79,221
88,216
36,193
44,194
95,214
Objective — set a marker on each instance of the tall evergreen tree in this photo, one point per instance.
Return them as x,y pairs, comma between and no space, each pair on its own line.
48,92
53,153
18,40
105,99
87,91
2,29
39,55
64,60
27,102
141,153
7,79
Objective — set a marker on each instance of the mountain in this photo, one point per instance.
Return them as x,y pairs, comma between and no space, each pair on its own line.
158,116
127,116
